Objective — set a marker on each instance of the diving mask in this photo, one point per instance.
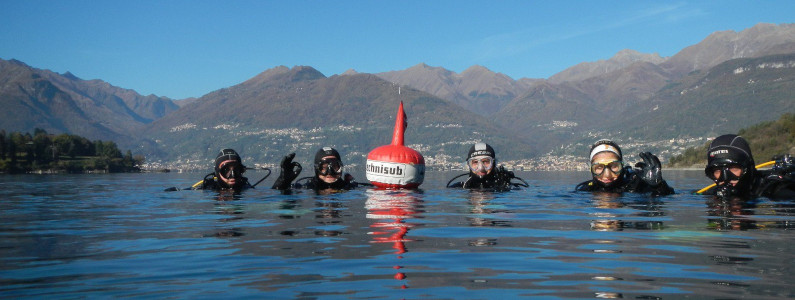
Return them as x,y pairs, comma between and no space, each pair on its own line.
725,173
232,170
329,166
481,163
598,168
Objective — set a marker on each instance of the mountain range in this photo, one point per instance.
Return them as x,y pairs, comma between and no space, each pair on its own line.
33,98
728,81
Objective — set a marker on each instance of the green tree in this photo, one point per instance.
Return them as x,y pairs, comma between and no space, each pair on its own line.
43,148
3,145
110,150
12,149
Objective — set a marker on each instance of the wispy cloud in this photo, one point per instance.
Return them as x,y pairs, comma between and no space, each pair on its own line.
516,42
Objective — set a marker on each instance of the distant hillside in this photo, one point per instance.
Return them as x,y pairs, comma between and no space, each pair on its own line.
767,140
726,98
300,110
760,40
477,88
621,60
62,103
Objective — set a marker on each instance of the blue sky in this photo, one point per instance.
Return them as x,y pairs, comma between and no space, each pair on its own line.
183,49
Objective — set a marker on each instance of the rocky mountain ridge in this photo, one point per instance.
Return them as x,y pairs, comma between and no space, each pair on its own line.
629,97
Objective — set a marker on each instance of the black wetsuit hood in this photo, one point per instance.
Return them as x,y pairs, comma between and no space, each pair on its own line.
731,149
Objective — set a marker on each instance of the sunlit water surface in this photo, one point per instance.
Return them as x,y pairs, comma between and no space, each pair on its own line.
121,235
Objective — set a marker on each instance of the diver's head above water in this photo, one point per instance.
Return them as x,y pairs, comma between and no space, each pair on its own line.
730,164
607,163
328,165
229,168
481,160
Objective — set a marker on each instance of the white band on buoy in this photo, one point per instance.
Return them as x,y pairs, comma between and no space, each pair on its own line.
394,173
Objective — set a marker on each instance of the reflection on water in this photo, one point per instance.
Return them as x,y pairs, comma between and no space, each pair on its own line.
647,211
739,214
124,237
389,210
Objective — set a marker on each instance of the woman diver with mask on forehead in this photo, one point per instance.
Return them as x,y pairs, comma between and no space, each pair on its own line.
484,172
609,174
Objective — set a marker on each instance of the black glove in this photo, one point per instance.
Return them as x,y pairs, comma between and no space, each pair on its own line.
289,171
650,169
785,164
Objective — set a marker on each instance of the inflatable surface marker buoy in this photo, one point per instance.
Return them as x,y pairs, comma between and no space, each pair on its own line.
396,166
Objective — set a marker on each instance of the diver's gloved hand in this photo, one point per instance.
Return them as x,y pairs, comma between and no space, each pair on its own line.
289,171
785,164
650,169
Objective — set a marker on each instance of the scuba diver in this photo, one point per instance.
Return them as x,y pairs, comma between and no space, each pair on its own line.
329,174
730,165
228,173
611,175
483,174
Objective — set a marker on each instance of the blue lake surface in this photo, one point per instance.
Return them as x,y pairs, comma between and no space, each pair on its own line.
121,235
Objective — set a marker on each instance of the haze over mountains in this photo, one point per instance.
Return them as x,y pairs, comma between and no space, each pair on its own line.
728,81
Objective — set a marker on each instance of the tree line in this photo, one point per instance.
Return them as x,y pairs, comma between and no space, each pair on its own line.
41,151
767,140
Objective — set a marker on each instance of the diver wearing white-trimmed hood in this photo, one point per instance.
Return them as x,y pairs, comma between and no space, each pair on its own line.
484,172
610,174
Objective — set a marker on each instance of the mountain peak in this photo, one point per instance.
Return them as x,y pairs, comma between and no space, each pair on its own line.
301,73
297,73
70,76
420,66
620,60
720,46
350,72
476,69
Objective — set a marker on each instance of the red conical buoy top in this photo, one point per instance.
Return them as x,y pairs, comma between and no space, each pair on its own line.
395,165
400,126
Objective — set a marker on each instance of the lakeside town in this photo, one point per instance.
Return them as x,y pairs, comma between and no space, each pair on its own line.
561,159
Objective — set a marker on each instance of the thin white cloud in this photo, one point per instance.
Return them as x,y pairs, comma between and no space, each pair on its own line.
513,43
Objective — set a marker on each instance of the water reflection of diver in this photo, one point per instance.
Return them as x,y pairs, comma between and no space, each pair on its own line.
329,174
730,213
481,161
731,166
480,209
610,175
608,221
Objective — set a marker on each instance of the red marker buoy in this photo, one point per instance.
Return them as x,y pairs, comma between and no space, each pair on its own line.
396,166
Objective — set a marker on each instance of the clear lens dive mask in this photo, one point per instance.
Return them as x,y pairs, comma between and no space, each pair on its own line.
598,168
329,166
481,163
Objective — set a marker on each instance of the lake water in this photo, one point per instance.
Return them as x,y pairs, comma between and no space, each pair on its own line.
120,235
